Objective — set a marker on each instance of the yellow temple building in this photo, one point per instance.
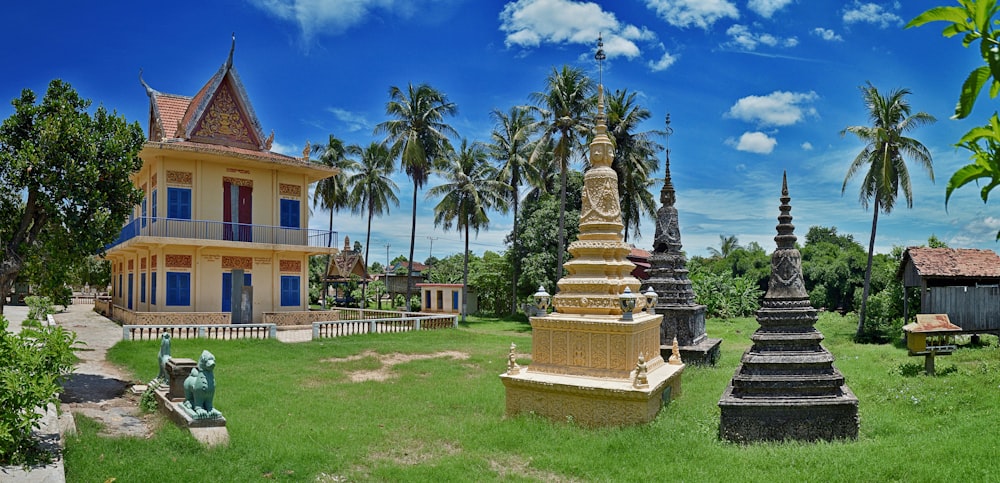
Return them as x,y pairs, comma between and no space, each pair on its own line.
215,199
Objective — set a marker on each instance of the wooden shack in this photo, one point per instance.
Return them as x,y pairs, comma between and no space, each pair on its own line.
961,282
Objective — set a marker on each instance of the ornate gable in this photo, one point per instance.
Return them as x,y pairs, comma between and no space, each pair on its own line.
219,114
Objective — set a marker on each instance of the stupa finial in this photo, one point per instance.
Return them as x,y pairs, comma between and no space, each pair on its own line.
599,56
786,230
668,184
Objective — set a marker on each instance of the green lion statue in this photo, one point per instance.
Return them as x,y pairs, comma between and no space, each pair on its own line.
199,389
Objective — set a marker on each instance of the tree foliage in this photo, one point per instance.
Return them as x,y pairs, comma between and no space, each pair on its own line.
539,237
34,365
974,21
833,267
65,188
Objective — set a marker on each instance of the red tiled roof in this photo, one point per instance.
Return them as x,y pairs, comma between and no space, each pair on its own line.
172,108
953,262
638,253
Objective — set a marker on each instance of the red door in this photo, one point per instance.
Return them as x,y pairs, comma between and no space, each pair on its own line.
237,212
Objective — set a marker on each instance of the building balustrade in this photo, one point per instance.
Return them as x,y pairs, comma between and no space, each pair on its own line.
224,231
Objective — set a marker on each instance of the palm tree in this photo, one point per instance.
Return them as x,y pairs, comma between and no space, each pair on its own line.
564,107
331,193
884,151
512,148
418,134
372,189
727,245
635,157
471,188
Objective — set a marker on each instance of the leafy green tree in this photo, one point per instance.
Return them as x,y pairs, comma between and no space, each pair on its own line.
511,146
833,267
471,188
727,245
565,106
419,134
974,20
539,238
332,193
64,176
635,160
489,277
448,269
372,189
884,154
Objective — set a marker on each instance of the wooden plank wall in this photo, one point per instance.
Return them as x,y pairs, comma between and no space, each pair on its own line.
971,308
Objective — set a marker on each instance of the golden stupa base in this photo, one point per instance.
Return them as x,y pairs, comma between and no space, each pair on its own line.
584,369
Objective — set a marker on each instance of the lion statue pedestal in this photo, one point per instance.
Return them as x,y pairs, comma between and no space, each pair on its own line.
196,410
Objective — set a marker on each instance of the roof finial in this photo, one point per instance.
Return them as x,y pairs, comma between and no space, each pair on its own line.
149,90
600,57
229,61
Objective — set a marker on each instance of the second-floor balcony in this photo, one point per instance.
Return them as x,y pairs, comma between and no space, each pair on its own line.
223,231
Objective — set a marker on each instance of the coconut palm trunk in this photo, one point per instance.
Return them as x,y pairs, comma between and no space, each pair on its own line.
413,237
868,274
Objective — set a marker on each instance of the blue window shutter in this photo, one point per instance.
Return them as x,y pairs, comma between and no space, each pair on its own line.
154,214
152,288
290,214
178,288
454,300
142,287
179,203
289,290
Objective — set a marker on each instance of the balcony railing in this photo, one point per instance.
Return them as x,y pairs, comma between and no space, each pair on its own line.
218,230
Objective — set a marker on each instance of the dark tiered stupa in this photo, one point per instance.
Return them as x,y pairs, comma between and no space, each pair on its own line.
682,317
786,387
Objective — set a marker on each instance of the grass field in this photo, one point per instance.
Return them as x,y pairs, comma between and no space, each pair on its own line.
295,414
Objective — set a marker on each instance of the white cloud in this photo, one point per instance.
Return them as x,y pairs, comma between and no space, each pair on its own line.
286,149
321,16
775,109
872,13
827,34
976,232
353,121
666,61
754,142
697,13
807,146
743,38
766,8
530,23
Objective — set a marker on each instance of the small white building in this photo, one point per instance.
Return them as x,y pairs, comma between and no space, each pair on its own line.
445,298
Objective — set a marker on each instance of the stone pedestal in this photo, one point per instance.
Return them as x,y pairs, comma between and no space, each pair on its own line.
583,370
178,369
687,323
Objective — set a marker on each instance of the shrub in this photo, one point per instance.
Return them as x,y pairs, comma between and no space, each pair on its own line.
34,365
726,296
39,307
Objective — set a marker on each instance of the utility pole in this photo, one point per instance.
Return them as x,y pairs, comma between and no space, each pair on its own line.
432,238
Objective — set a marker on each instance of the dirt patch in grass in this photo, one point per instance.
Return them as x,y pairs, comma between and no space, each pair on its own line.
511,466
417,452
388,361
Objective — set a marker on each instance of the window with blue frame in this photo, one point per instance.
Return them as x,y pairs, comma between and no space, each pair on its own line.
290,213
153,200
142,287
227,289
178,288
290,294
179,203
454,300
144,214
152,288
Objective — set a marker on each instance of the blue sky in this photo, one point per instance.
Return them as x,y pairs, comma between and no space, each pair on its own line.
753,88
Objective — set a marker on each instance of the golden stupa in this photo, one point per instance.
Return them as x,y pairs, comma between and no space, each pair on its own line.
592,362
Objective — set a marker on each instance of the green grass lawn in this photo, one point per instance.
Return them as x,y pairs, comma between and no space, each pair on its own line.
295,414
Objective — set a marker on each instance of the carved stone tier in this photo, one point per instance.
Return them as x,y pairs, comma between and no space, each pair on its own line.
585,346
583,369
786,386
